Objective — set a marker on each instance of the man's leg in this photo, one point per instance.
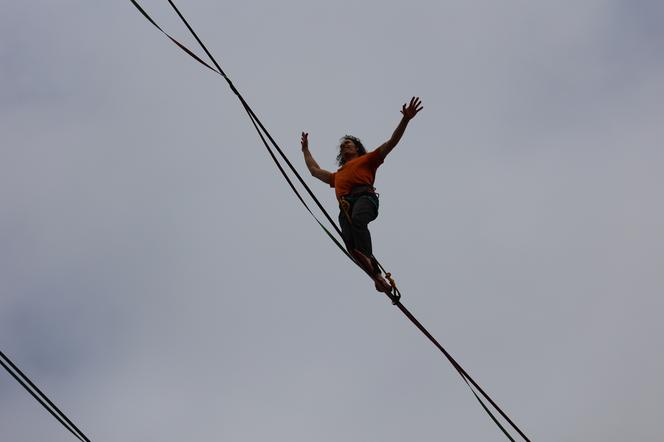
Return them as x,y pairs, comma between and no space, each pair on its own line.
364,211
346,231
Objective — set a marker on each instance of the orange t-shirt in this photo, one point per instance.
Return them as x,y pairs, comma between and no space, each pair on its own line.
357,172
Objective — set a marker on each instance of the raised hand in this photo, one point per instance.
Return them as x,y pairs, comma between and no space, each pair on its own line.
305,141
412,108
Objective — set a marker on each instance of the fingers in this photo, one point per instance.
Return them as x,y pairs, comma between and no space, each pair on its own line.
414,103
305,140
412,108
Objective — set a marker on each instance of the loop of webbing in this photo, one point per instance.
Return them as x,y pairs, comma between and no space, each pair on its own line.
388,275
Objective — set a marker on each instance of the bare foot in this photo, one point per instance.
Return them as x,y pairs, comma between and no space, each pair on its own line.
382,285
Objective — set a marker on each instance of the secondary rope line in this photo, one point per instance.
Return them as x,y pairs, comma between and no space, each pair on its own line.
31,388
255,121
258,124
466,377
254,116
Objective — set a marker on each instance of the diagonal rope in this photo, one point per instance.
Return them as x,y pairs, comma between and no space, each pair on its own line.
258,124
260,129
395,298
254,117
31,388
466,377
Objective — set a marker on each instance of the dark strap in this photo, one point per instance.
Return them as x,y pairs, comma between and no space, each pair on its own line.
261,130
466,377
180,45
258,126
394,297
31,388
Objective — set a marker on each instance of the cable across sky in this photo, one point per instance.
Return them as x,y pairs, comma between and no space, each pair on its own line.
395,296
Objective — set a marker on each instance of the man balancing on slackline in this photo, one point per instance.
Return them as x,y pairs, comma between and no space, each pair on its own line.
353,183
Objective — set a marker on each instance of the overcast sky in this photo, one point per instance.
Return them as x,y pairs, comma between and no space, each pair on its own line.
161,283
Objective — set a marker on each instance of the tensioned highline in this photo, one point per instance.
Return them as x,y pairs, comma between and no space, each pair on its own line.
35,392
395,295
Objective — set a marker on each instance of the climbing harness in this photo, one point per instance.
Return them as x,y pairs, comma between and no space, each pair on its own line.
344,205
395,295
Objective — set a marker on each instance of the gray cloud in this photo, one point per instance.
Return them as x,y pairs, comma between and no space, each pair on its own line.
161,283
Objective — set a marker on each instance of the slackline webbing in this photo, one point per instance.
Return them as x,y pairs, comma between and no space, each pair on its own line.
31,388
263,132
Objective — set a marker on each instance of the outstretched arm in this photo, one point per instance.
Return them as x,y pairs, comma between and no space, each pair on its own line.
408,113
312,165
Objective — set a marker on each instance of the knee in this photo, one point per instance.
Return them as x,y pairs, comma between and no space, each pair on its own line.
360,221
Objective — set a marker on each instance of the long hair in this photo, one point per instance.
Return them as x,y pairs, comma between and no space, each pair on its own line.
360,148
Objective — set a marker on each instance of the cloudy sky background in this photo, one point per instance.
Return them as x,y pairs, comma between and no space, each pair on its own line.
160,282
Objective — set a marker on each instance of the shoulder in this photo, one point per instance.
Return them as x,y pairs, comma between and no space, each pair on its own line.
375,156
